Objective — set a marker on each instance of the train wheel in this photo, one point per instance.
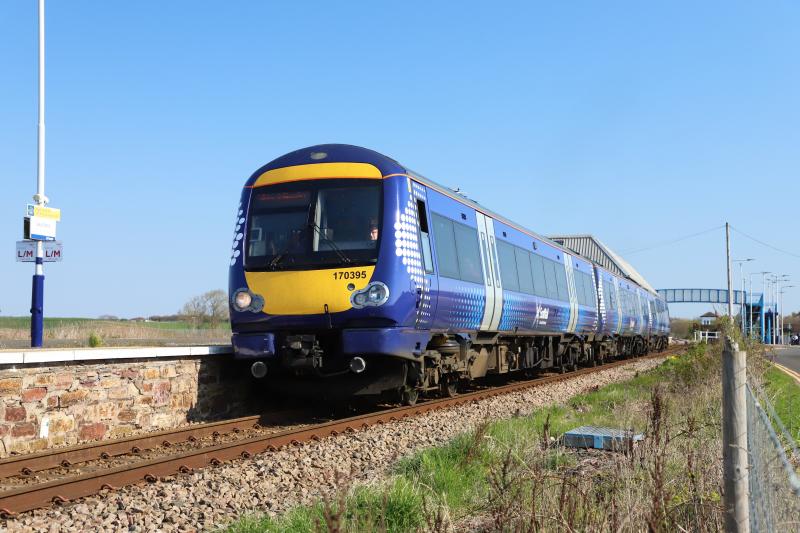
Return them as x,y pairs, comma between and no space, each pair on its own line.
409,396
449,387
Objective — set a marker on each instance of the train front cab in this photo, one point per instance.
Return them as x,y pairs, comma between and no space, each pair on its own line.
319,302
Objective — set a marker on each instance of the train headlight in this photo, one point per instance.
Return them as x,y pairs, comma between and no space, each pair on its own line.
242,300
373,295
257,304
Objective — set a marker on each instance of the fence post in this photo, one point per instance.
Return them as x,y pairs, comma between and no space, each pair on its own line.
734,438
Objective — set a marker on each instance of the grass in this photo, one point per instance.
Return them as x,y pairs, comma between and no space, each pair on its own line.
784,393
395,507
513,475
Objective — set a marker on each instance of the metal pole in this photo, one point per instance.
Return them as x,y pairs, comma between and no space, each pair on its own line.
762,316
777,335
783,291
728,263
37,286
767,305
750,314
773,284
734,438
750,298
780,315
744,303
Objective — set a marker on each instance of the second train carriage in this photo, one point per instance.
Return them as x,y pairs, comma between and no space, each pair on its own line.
351,274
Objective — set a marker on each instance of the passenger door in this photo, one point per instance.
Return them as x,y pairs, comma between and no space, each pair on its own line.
427,294
491,274
573,298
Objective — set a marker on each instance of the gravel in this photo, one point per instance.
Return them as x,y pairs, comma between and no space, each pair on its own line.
274,482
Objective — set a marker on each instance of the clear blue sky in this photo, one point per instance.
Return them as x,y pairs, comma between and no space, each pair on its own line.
639,124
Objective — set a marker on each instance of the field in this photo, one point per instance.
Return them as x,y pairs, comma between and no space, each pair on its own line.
76,332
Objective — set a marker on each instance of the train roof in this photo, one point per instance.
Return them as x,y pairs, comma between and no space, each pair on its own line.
332,153
348,153
593,249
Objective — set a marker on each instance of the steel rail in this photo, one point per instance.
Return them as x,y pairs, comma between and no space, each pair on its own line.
34,496
28,464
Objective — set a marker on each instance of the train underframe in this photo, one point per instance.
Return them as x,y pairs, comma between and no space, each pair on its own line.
310,364
453,359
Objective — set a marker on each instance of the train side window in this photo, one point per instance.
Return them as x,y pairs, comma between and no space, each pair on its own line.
508,266
561,281
427,257
524,270
469,253
550,278
539,283
446,254
614,300
591,291
584,297
588,290
580,290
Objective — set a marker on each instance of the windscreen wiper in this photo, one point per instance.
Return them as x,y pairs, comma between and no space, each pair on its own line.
330,242
277,259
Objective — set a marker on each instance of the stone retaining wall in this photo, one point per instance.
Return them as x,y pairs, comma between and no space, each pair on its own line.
68,403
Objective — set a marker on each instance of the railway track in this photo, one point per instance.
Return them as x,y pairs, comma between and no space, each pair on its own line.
74,485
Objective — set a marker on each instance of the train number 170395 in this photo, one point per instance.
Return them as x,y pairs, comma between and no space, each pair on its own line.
350,274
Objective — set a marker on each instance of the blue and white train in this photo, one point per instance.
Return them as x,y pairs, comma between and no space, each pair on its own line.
352,275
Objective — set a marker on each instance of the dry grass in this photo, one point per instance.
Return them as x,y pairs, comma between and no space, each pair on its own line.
77,332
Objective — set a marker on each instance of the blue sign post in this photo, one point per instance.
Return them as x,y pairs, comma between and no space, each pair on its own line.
37,288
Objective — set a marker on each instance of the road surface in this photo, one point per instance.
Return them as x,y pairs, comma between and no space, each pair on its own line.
789,357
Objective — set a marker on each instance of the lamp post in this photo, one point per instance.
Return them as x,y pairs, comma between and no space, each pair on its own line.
750,318
783,291
762,332
744,303
782,278
774,287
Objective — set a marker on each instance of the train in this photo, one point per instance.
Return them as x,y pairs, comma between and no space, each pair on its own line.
351,275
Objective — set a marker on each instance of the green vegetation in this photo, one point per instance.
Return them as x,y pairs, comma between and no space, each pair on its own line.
95,340
513,475
784,393
396,507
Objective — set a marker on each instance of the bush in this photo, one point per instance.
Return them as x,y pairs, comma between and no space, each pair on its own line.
95,340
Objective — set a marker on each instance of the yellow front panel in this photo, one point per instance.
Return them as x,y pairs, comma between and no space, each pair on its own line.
305,292
318,171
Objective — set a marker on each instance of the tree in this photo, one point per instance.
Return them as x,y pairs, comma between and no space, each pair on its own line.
209,308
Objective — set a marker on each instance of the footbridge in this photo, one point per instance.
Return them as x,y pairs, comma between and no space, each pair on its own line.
700,296
758,319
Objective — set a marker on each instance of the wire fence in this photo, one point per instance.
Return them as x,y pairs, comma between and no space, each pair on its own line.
773,459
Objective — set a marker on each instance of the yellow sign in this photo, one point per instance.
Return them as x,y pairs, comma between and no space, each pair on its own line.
44,212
